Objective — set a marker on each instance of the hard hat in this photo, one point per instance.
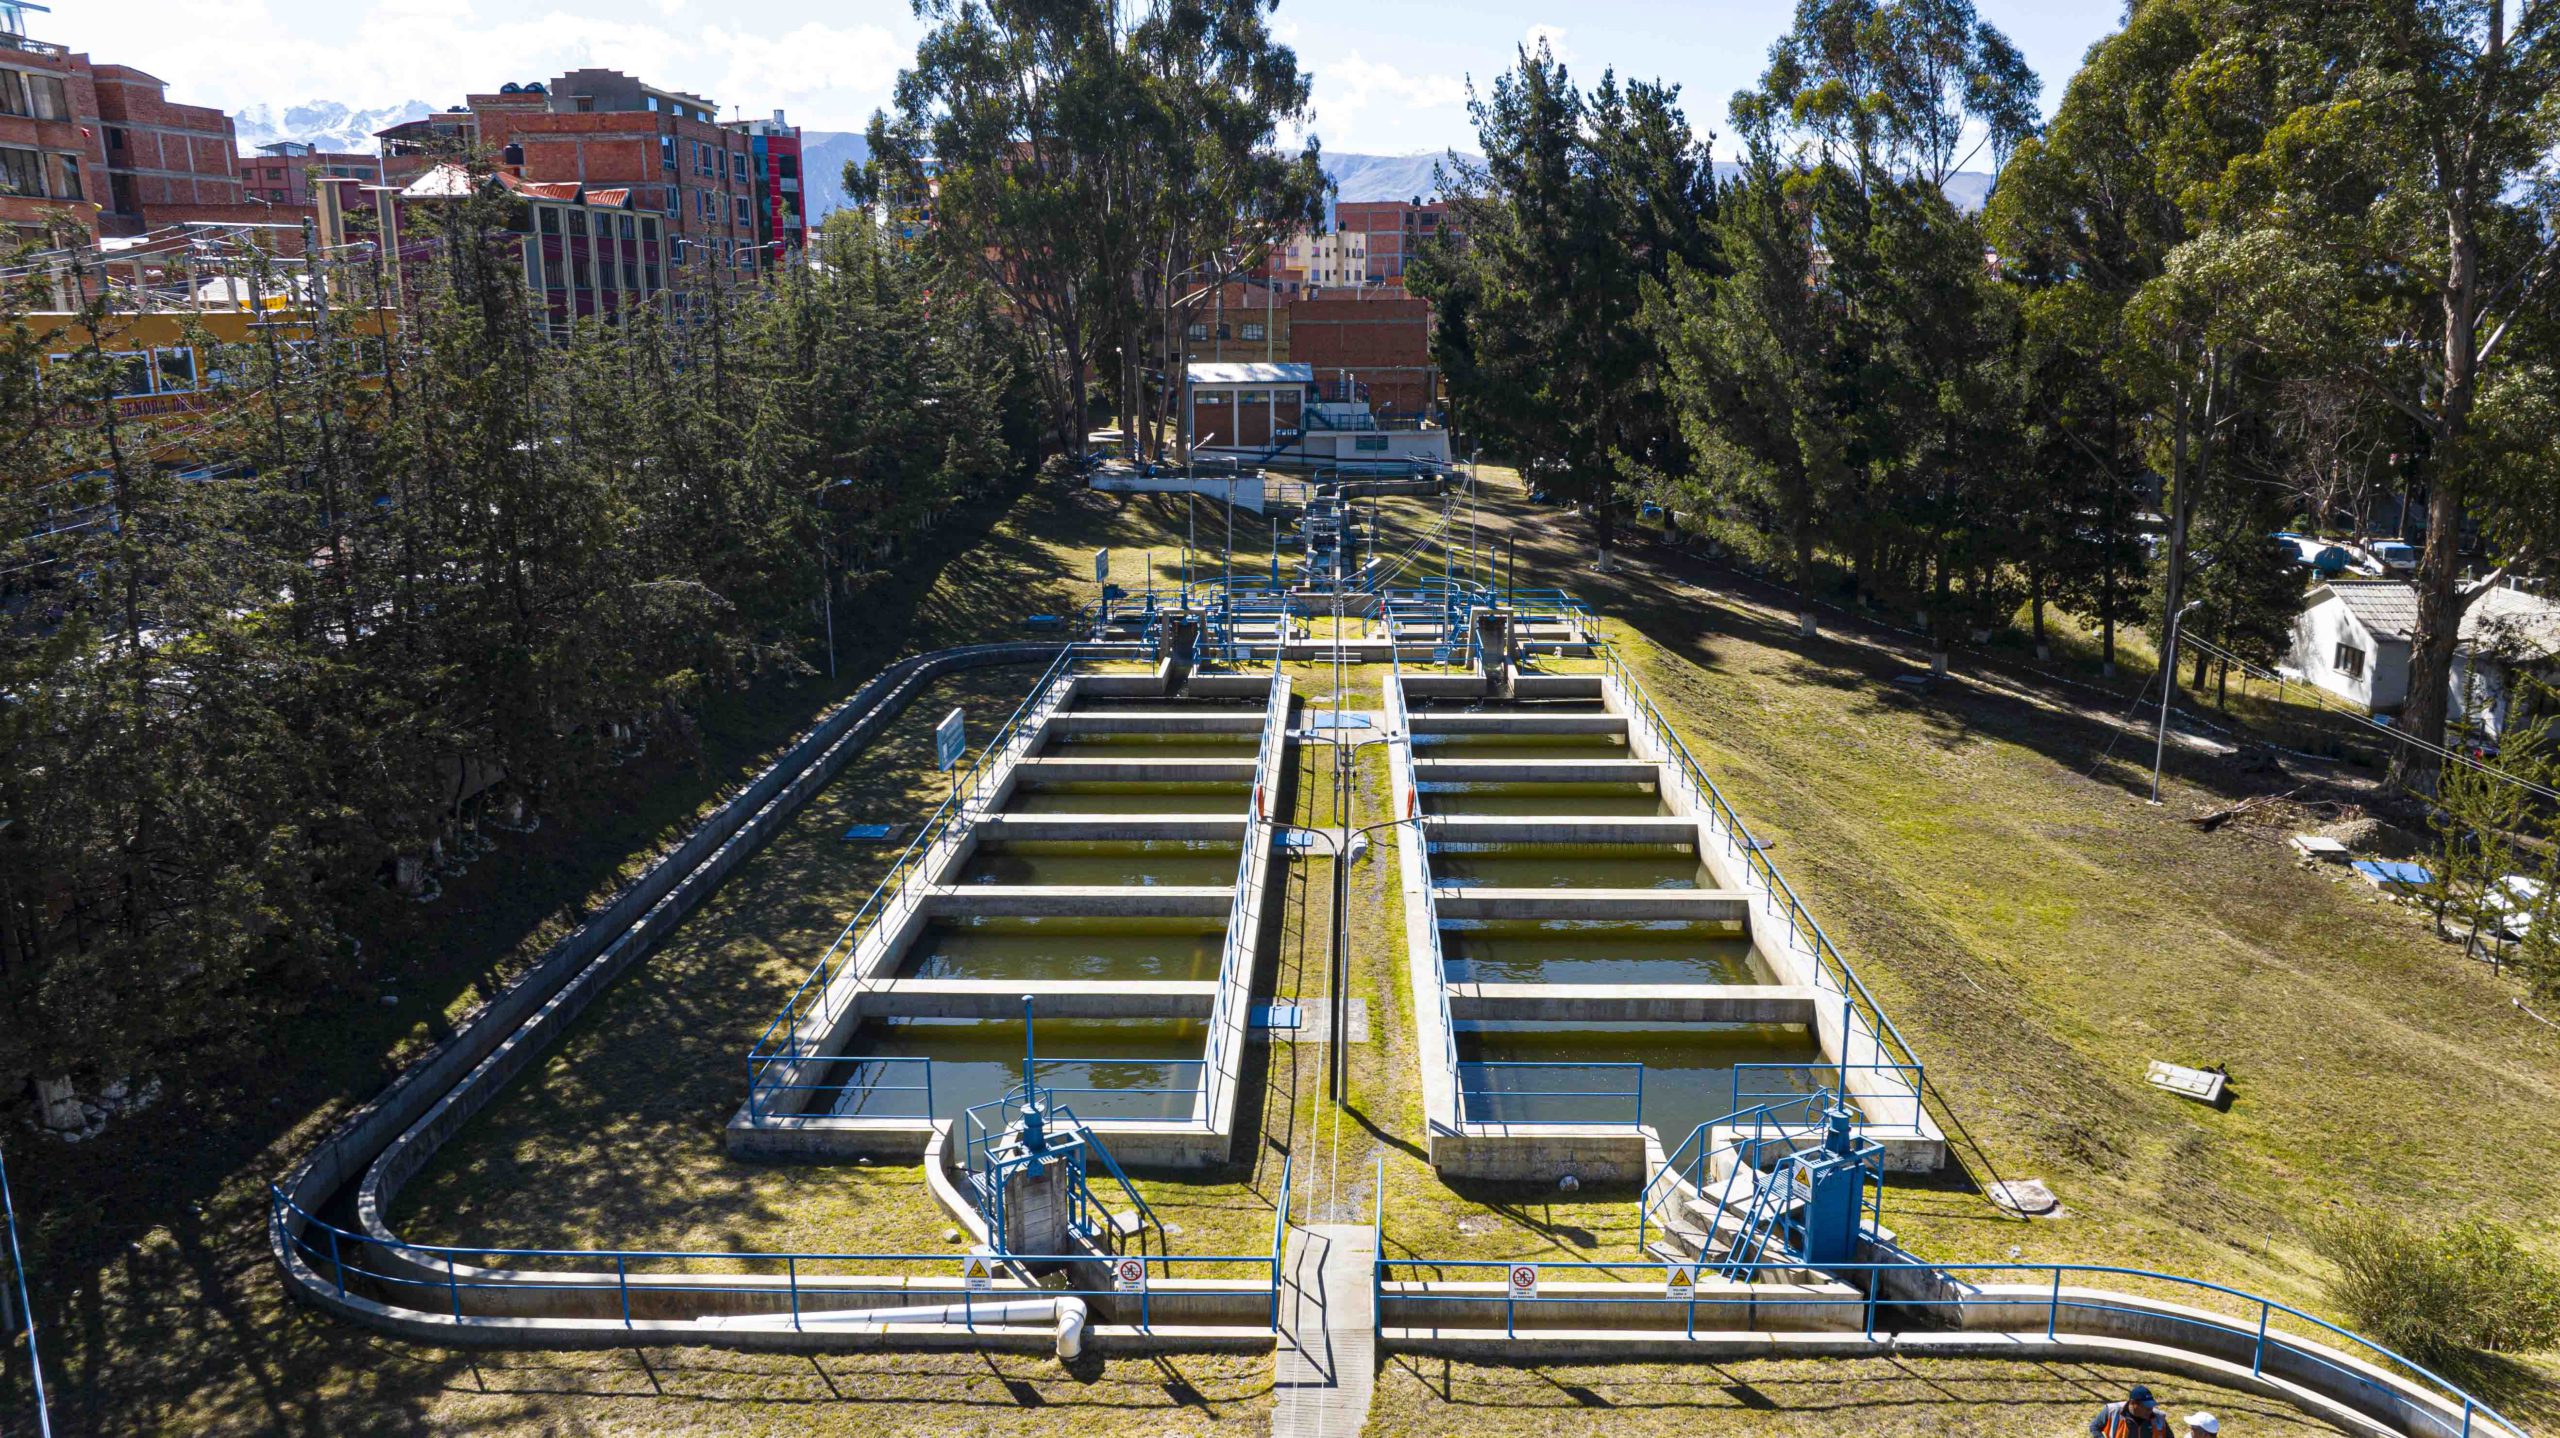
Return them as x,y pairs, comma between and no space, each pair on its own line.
2204,1423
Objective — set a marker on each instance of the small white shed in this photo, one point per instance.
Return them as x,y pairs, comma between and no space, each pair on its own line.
2352,639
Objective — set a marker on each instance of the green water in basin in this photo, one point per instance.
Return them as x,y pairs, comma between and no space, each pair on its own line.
1598,951
1134,1068
1519,746
1226,800
1577,797
1104,950
1153,746
1150,862
1567,866
1516,706
1688,1079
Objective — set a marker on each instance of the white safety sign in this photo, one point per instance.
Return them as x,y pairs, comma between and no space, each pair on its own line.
976,1276
1680,1282
1101,565
1129,1275
1524,1280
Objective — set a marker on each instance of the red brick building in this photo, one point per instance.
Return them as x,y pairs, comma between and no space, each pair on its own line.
166,162
53,164
1373,345
281,173
705,181
104,147
1395,231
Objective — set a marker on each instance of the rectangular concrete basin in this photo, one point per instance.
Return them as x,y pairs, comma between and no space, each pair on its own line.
1093,950
1567,866
1103,862
1598,951
1107,1068
1688,1078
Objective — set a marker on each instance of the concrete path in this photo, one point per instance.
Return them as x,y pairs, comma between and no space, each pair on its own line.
1326,1363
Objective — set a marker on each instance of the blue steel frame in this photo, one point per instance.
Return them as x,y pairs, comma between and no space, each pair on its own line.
1630,1090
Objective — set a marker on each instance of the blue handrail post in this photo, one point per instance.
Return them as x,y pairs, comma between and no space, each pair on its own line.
622,1286
791,1266
1874,1282
337,1263
754,1113
2258,1358
2053,1309
453,1287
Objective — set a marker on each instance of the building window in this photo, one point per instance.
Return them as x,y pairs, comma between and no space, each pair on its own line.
115,137
39,97
667,152
742,209
738,166
2349,660
1253,332
71,178
177,370
21,172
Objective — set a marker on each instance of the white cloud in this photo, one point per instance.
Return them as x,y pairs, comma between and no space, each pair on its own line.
1552,36
1362,104
829,76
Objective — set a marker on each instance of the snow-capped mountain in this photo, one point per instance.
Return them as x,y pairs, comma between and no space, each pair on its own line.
326,124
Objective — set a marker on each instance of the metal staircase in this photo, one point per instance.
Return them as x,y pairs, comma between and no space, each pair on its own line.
1028,1171
1787,1185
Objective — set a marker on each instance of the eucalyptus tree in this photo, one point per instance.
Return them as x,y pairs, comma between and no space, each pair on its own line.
2417,155
1584,202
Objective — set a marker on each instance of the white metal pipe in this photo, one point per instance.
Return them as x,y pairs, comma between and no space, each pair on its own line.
1068,1313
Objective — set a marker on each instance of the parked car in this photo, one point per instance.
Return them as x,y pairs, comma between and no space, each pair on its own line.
2395,556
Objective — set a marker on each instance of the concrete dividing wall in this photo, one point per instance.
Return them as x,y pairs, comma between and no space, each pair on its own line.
429,1101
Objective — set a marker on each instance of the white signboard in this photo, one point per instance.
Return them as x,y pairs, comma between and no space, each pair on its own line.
1524,1280
950,738
1680,1282
1129,1275
1101,565
975,1274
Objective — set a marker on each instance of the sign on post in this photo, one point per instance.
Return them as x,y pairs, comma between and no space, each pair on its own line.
1680,1282
1524,1280
1129,1275
1101,565
950,738
977,1275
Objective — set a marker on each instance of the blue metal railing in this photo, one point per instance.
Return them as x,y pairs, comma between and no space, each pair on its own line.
449,1281
775,1061
1235,956
1615,1097
1749,1089
863,1091
1401,723
2027,1287
26,1304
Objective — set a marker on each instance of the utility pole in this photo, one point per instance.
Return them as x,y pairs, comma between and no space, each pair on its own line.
2168,686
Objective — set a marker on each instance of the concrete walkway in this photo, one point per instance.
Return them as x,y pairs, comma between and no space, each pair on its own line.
1326,1363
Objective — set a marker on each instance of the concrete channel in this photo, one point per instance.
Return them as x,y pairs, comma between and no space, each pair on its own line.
1110,864
1597,967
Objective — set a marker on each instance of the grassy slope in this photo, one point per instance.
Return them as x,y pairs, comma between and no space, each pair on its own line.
2036,932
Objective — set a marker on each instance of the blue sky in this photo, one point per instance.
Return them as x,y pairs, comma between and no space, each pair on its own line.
1390,77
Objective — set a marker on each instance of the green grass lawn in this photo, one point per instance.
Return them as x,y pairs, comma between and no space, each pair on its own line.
2035,930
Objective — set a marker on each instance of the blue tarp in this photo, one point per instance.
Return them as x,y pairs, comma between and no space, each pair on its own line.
2394,872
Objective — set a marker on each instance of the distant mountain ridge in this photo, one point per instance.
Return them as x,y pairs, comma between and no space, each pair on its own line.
322,124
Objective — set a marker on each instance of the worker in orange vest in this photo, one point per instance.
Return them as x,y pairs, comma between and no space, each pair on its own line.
2136,1417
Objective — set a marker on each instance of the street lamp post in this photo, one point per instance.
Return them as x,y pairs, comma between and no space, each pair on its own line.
2168,686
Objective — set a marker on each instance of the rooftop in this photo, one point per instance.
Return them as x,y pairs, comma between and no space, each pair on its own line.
2386,606
1238,373
2512,624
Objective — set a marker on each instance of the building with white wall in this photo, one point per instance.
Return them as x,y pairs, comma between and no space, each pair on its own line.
2352,639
